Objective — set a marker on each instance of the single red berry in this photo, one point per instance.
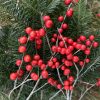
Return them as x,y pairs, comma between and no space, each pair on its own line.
58,49
59,86
95,44
61,44
75,59
67,2
18,62
78,46
71,48
42,32
33,34
29,67
36,57
91,37
88,43
60,30
63,68
22,49
69,12
48,23
53,40
64,26
28,30
20,72
63,51
46,17
40,62
50,63
68,51
70,56
54,59
60,18
66,87
71,78
87,60
83,47
87,51
34,76
54,35
82,38
70,88
13,76
50,80
67,72
70,41
43,66
81,63
54,48
34,62
22,40
67,63
44,74
66,82
57,64
27,58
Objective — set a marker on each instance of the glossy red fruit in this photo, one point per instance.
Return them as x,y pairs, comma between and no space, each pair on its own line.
67,63
71,78
54,35
58,49
13,76
68,51
78,46
70,56
95,44
53,40
60,18
71,48
64,26
66,87
54,48
59,86
50,80
27,58
38,41
75,59
22,49
88,43
22,40
82,38
54,59
34,62
44,74
71,88
18,62
36,57
91,37
60,30
87,60
48,23
87,51
81,63
45,18
42,32
50,63
70,41
29,67
40,62
69,12
20,72
61,44
33,34
34,76
83,47
57,64
28,30
67,2
43,66
63,51
63,68
66,82
67,72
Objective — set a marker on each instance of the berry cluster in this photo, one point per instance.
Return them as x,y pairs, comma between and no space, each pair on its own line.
66,47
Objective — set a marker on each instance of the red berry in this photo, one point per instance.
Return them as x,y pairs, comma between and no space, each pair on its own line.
82,38
67,72
28,30
42,32
91,37
50,80
57,64
55,35
78,46
67,63
63,68
69,57
70,41
69,13
63,51
13,76
61,44
44,74
48,23
71,48
68,51
40,62
70,88
58,49
88,42
50,63
66,87
87,51
53,40
29,67
54,48
22,40
27,58
60,18
59,86
81,63
36,57
75,59
95,44
83,47
54,59
34,76
67,2
64,26
60,30
87,60
43,66
18,62
34,62
71,78
33,34
45,18
20,72
22,49
66,82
